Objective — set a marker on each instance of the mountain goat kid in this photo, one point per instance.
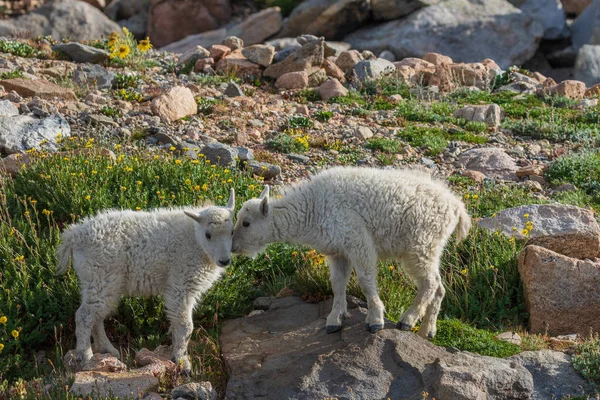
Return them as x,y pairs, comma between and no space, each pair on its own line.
133,253
357,216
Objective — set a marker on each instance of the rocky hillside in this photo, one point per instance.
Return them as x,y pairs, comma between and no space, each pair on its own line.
110,121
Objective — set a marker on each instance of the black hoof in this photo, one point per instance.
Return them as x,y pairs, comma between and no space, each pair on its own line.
430,335
375,328
333,328
186,372
404,327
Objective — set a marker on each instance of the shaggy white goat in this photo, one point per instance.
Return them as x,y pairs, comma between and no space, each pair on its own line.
134,253
357,216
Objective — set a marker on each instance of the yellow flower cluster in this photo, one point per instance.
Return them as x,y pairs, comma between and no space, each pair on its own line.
314,258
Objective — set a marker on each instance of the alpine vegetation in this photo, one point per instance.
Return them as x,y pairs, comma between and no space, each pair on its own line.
174,252
357,216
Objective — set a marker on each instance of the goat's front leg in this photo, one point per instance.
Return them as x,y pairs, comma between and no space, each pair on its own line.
179,312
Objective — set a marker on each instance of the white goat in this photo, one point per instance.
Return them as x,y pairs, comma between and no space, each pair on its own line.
357,216
133,253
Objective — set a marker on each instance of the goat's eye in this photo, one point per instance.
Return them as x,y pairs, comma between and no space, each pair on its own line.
207,235
231,233
245,224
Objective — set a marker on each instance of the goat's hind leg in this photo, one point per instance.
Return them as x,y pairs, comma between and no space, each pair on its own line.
179,311
339,271
101,342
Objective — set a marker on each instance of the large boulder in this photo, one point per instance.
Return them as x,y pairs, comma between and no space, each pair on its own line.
493,162
253,30
465,30
586,28
393,9
329,18
62,19
175,103
587,65
548,12
22,132
288,340
38,88
172,20
561,293
119,385
565,229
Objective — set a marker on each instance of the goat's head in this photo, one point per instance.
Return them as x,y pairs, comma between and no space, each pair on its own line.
253,228
214,230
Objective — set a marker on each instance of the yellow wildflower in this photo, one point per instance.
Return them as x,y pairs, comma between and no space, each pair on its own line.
1,347
139,183
144,45
118,147
391,267
205,187
46,212
3,320
512,239
123,51
251,187
525,232
15,333
467,195
156,156
526,216
464,271
178,162
33,201
88,197
514,228
19,258
172,148
195,161
475,196
230,180
123,188
94,172
138,208
188,182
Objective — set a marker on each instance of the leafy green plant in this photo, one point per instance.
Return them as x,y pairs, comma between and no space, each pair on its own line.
383,144
126,81
289,141
307,95
299,122
128,95
11,74
476,126
323,116
582,170
19,49
110,111
126,51
587,359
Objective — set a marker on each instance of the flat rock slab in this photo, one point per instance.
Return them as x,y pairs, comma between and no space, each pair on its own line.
565,229
553,374
119,385
493,162
39,87
22,132
561,293
284,353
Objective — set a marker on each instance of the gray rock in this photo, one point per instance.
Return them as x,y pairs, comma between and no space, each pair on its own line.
195,391
372,69
233,42
188,149
549,13
118,385
122,9
491,161
565,229
387,55
393,9
233,90
299,158
281,43
245,154
308,58
220,154
331,19
390,363
266,170
62,19
496,30
587,65
283,54
193,55
260,54
489,113
94,76
8,109
263,303
99,119
586,27
81,53
518,87
20,133
553,375
363,133
136,24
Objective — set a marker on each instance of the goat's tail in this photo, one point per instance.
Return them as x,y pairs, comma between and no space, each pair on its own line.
64,257
464,223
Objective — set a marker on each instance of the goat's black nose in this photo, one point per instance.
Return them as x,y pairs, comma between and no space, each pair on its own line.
225,262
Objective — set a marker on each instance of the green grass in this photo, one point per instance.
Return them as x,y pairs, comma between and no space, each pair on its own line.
323,116
289,141
454,333
11,74
383,144
582,170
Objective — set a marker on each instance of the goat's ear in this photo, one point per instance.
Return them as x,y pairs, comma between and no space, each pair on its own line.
231,202
265,192
264,206
195,217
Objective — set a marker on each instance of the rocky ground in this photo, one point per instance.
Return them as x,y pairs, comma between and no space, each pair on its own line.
287,110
